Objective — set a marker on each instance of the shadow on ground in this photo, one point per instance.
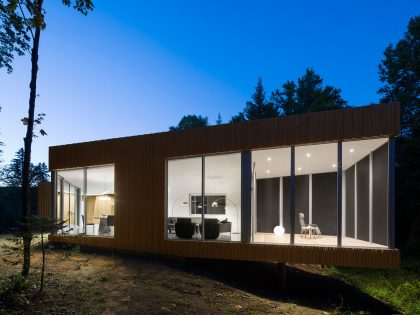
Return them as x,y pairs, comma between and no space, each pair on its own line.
302,287
306,288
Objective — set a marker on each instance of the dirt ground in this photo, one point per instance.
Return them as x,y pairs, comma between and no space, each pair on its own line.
84,282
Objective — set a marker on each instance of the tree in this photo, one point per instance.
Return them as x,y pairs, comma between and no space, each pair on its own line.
11,174
308,95
191,121
1,145
20,31
219,119
258,108
400,73
238,118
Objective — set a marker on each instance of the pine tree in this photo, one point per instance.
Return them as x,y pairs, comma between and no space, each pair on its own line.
308,95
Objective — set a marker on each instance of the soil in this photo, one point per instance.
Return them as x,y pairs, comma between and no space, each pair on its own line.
85,282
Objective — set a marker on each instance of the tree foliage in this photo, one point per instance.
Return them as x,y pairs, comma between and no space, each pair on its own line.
20,31
400,73
19,20
190,121
11,174
258,107
307,95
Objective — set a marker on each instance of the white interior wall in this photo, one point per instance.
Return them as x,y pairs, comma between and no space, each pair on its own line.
222,176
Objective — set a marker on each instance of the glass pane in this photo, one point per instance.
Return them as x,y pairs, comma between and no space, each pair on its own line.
365,183
70,207
100,202
58,204
222,201
316,195
185,206
271,196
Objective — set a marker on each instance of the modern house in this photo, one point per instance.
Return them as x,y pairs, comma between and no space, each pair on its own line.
315,188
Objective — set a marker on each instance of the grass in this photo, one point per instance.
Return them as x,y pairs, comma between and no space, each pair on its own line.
399,288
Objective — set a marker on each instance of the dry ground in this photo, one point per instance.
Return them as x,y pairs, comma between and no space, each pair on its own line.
81,282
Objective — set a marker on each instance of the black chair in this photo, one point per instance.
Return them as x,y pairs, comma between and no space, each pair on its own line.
110,221
211,229
184,228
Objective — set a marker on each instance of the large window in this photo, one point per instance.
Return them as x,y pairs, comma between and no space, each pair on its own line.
216,200
270,196
317,193
85,200
365,193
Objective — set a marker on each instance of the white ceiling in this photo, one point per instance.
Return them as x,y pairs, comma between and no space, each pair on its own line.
99,179
311,159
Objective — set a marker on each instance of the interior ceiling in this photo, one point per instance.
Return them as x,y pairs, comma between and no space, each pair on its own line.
218,169
99,179
311,159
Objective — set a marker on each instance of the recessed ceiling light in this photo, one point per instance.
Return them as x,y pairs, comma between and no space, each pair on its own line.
267,171
334,165
299,168
269,159
351,150
308,155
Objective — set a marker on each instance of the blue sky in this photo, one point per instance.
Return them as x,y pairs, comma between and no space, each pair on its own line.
135,67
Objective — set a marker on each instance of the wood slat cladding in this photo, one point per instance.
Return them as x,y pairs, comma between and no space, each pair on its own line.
44,199
140,180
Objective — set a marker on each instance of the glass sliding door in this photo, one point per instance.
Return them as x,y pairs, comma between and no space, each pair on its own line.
185,204
222,200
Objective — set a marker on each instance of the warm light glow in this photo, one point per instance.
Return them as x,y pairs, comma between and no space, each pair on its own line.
334,165
351,150
279,231
269,159
106,197
299,169
308,155
267,171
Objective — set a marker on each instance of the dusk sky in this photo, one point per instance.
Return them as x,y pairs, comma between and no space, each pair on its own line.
136,67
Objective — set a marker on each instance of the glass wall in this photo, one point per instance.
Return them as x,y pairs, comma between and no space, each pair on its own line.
365,193
184,202
85,200
270,222
219,204
316,195
100,201
222,187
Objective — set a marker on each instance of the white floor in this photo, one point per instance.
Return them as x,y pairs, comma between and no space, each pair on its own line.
324,240
271,238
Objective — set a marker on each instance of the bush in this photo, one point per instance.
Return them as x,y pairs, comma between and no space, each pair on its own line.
14,293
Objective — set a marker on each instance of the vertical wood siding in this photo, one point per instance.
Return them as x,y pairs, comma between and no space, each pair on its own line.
140,180
44,199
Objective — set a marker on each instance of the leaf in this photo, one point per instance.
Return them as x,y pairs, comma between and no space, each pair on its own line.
25,121
42,132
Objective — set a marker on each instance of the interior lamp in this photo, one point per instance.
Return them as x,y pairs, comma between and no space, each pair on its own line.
279,231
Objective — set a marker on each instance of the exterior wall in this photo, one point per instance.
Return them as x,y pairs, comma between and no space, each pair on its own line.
140,163
44,199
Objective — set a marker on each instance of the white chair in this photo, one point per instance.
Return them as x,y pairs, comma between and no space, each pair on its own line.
305,229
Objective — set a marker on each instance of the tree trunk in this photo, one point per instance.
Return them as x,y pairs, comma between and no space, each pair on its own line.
26,230
43,259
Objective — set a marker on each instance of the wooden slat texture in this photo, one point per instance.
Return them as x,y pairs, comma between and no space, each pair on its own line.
44,199
140,180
